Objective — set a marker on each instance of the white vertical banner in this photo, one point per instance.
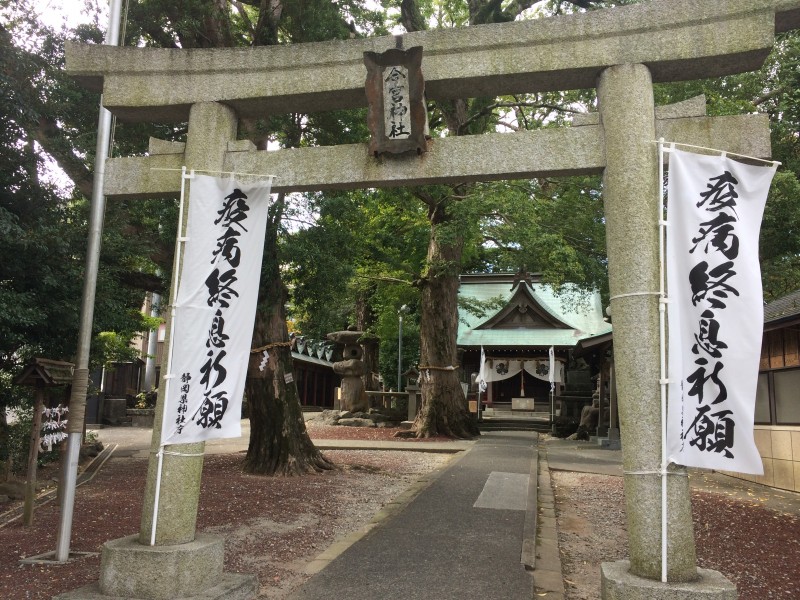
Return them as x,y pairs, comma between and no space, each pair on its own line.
715,309
481,380
551,371
215,309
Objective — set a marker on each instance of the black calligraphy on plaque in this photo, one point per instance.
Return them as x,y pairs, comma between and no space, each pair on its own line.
397,103
712,283
397,116
221,287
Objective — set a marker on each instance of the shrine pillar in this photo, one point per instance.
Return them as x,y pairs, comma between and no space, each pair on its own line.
211,126
180,563
631,189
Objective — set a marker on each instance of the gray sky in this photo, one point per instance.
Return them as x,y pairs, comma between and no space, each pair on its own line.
73,12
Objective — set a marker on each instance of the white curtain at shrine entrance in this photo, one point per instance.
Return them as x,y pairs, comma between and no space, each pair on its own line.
494,369
715,309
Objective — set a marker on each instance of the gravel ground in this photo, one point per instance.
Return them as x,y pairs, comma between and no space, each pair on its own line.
755,547
273,527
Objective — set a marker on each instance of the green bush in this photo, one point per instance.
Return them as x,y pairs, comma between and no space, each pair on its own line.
146,399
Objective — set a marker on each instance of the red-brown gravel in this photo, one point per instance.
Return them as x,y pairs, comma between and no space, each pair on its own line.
757,548
272,526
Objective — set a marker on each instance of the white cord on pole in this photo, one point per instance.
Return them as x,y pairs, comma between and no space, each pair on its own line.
632,294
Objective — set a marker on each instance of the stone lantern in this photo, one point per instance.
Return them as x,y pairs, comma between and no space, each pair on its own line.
351,368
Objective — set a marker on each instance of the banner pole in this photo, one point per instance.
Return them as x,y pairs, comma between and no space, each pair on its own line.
180,239
552,377
662,306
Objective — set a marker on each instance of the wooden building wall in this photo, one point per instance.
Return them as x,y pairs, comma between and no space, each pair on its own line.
780,349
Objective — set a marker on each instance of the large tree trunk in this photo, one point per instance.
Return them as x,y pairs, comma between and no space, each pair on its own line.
444,409
365,319
279,443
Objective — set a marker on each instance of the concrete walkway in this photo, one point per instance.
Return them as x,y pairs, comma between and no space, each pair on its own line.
462,537
135,442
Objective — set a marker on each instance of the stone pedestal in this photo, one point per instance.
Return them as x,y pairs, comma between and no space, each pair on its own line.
130,570
354,396
413,401
114,411
351,368
619,584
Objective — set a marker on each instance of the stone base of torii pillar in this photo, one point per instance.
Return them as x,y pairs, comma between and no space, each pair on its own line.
619,584
192,571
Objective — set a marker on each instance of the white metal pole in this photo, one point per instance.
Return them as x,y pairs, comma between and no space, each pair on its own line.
662,307
169,376
80,383
399,350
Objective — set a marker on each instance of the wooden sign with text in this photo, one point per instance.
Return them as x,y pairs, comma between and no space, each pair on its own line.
395,88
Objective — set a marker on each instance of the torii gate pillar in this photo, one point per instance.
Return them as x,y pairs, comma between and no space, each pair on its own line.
181,563
631,196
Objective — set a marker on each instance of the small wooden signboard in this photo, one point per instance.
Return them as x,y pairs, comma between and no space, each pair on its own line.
39,373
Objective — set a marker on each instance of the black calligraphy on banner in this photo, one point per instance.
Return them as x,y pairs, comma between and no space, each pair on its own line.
183,402
712,283
221,287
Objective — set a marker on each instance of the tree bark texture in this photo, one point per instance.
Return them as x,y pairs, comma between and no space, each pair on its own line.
443,410
5,454
279,443
365,320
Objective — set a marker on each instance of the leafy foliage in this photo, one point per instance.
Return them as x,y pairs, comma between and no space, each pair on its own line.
44,221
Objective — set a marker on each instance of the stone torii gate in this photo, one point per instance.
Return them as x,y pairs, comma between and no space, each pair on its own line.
620,51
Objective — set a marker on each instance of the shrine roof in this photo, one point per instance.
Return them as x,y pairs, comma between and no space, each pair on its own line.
784,308
531,314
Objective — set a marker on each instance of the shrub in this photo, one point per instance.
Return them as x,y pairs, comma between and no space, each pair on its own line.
146,399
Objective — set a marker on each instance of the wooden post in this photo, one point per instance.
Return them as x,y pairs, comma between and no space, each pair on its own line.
33,455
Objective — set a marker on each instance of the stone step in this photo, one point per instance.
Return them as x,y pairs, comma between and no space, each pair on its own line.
514,424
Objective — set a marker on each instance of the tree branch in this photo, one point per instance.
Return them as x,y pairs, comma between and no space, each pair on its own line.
411,17
771,94
487,110
385,279
509,125
46,136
